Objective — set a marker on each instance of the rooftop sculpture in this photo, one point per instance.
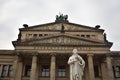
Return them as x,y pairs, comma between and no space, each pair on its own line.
61,17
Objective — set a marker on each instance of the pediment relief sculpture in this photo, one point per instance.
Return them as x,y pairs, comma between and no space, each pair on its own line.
64,40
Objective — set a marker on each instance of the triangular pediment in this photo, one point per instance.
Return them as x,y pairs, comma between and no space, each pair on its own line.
57,26
63,40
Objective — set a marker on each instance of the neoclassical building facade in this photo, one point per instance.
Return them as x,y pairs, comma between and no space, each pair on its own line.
42,52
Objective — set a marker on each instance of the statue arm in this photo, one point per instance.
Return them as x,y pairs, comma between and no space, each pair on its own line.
81,62
70,61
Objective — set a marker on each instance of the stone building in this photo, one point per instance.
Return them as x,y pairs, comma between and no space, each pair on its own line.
42,51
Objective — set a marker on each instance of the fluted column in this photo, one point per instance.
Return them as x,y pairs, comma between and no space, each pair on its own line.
33,75
109,68
91,67
52,67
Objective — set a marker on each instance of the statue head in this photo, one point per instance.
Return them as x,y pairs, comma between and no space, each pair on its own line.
75,51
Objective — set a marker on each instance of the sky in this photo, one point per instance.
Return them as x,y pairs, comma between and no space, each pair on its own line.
15,13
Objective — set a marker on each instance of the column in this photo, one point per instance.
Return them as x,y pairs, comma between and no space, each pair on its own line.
109,68
33,75
91,67
52,67
15,65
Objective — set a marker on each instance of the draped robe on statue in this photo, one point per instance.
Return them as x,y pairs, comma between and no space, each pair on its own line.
77,65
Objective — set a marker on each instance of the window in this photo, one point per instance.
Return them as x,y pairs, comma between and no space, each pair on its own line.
77,35
88,36
45,71
4,71
10,70
82,35
35,35
96,71
45,34
40,35
93,35
116,70
27,70
61,71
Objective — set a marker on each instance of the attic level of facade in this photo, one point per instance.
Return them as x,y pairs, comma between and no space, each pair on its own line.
41,35
54,28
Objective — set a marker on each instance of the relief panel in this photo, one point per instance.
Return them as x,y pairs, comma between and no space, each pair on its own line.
64,40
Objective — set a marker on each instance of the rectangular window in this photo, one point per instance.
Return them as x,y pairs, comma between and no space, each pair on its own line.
27,70
93,35
77,35
116,70
96,70
40,35
82,35
4,71
35,35
88,36
10,70
61,71
45,71
45,34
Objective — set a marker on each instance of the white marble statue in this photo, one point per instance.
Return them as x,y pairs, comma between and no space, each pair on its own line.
77,65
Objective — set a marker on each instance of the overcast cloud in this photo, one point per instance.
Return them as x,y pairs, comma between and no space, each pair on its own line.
15,13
